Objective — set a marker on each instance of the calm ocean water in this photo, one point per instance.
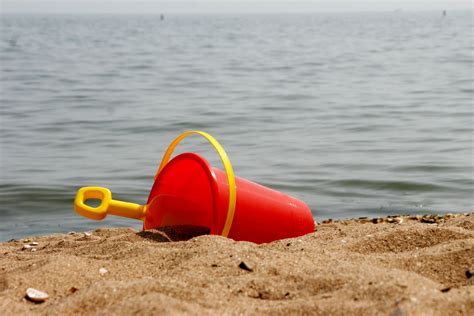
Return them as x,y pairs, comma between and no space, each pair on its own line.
356,114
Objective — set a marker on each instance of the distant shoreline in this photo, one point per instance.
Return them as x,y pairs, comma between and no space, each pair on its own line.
158,14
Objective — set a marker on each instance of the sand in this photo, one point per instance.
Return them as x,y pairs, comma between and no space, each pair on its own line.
392,266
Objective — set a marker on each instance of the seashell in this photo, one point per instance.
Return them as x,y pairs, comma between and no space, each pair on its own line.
103,271
35,295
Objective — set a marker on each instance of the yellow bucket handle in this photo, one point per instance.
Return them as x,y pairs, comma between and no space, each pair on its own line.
227,166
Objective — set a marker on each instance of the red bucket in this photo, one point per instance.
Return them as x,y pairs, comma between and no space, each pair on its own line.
189,191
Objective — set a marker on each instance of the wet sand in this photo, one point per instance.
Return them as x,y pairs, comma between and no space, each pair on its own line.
391,266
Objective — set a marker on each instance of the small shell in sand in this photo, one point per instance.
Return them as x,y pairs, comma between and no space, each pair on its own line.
103,271
35,295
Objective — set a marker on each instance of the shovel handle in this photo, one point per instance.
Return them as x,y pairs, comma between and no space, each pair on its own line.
107,205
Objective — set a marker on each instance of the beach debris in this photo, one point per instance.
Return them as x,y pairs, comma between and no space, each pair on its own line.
31,245
398,219
36,296
428,220
364,219
446,289
26,240
433,219
87,234
73,289
103,271
469,273
71,233
245,266
394,219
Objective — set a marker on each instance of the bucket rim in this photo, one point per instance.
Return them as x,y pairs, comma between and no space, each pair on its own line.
212,179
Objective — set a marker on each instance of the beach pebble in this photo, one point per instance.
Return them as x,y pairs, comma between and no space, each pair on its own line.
245,266
35,295
33,243
88,234
103,271
73,289
25,247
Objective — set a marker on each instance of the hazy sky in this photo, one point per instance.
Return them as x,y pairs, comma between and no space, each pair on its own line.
225,6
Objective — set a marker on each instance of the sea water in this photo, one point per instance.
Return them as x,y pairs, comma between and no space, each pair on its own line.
357,114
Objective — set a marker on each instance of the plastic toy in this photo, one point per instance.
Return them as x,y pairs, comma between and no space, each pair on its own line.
189,191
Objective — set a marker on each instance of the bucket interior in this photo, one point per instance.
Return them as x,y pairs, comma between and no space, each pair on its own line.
183,195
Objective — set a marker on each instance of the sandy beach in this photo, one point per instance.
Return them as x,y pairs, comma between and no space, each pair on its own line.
405,265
